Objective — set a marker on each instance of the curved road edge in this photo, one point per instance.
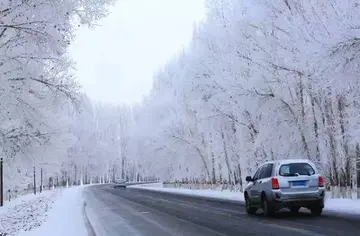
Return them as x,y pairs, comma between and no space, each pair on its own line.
89,226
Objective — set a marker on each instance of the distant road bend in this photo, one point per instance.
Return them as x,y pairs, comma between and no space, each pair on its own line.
138,212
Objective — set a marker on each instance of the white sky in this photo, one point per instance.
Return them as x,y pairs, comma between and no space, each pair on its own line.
117,59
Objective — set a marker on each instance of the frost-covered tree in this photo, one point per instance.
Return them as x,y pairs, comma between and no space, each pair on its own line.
37,84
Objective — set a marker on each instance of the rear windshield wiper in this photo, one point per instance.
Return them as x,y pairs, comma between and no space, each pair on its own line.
296,174
291,174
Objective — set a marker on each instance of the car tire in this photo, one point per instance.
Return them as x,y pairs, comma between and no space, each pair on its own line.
294,210
267,208
316,211
250,210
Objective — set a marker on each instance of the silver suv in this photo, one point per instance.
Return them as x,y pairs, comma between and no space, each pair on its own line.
285,184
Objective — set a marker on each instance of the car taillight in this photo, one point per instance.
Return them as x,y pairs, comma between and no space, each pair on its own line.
321,181
274,183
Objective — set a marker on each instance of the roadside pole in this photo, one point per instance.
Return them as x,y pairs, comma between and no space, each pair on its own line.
34,181
75,176
358,177
85,176
41,179
1,183
357,165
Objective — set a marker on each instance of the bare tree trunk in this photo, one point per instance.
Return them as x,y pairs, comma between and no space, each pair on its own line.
240,178
113,173
347,167
220,173
316,131
272,155
301,92
213,169
226,158
235,180
213,172
327,166
203,157
330,127
300,128
122,167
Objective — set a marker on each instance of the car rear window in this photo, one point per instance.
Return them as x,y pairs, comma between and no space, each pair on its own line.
295,169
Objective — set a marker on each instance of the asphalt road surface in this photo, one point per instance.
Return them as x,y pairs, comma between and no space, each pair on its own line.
131,211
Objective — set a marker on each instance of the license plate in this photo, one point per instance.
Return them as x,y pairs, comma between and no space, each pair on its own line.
298,183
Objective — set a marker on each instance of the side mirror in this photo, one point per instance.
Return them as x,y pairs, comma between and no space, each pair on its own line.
249,178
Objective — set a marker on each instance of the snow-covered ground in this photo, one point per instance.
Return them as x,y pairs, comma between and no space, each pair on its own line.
26,212
341,205
351,206
53,212
65,217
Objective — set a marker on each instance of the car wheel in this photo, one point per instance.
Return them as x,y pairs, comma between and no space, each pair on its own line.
316,211
294,210
268,210
250,210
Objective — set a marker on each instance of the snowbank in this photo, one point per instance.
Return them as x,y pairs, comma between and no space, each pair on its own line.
26,212
66,217
225,195
341,205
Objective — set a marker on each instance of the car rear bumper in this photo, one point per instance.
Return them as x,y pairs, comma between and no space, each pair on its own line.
300,199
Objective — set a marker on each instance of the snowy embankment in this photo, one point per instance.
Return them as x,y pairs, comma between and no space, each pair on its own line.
53,212
341,205
66,216
26,212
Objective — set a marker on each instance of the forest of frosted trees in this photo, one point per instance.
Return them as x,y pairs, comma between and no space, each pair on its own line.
261,80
